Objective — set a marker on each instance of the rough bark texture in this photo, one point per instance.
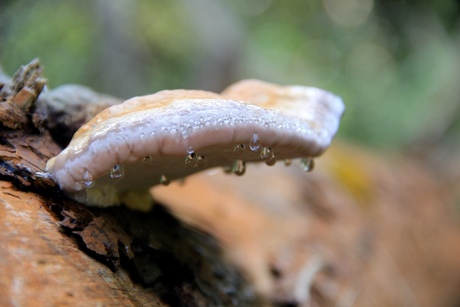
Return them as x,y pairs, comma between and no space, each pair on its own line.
18,96
362,229
43,266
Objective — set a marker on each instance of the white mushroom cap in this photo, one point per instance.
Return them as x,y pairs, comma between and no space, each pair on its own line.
153,139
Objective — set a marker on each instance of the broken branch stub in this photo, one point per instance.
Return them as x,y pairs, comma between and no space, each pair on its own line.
117,156
18,95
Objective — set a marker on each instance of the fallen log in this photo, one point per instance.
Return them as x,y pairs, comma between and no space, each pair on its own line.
363,229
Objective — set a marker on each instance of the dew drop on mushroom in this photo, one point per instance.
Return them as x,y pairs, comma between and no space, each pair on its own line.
255,142
164,180
308,164
147,160
87,181
268,155
191,160
117,172
239,167
239,149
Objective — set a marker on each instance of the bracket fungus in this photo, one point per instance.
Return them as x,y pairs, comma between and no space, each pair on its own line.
126,149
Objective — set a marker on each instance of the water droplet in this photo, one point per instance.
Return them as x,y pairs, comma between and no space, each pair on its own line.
308,164
164,180
87,181
190,150
191,160
268,155
202,161
147,160
255,142
239,167
117,172
287,162
239,149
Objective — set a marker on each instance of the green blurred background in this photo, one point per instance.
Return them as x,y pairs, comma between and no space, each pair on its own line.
395,63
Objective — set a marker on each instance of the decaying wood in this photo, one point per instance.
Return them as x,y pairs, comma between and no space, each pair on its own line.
361,230
17,97
42,266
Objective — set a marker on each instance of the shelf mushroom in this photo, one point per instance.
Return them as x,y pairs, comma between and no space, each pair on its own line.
124,150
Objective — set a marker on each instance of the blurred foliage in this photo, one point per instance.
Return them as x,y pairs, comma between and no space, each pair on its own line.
395,63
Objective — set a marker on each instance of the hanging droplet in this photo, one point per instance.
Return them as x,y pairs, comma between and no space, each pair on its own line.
287,162
147,160
255,142
202,161
239,167
239,149
191,160
308,164
268,155
164,180
117,172
87,181
228,169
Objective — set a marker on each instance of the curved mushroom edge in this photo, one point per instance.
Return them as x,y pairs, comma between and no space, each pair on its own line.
117,156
